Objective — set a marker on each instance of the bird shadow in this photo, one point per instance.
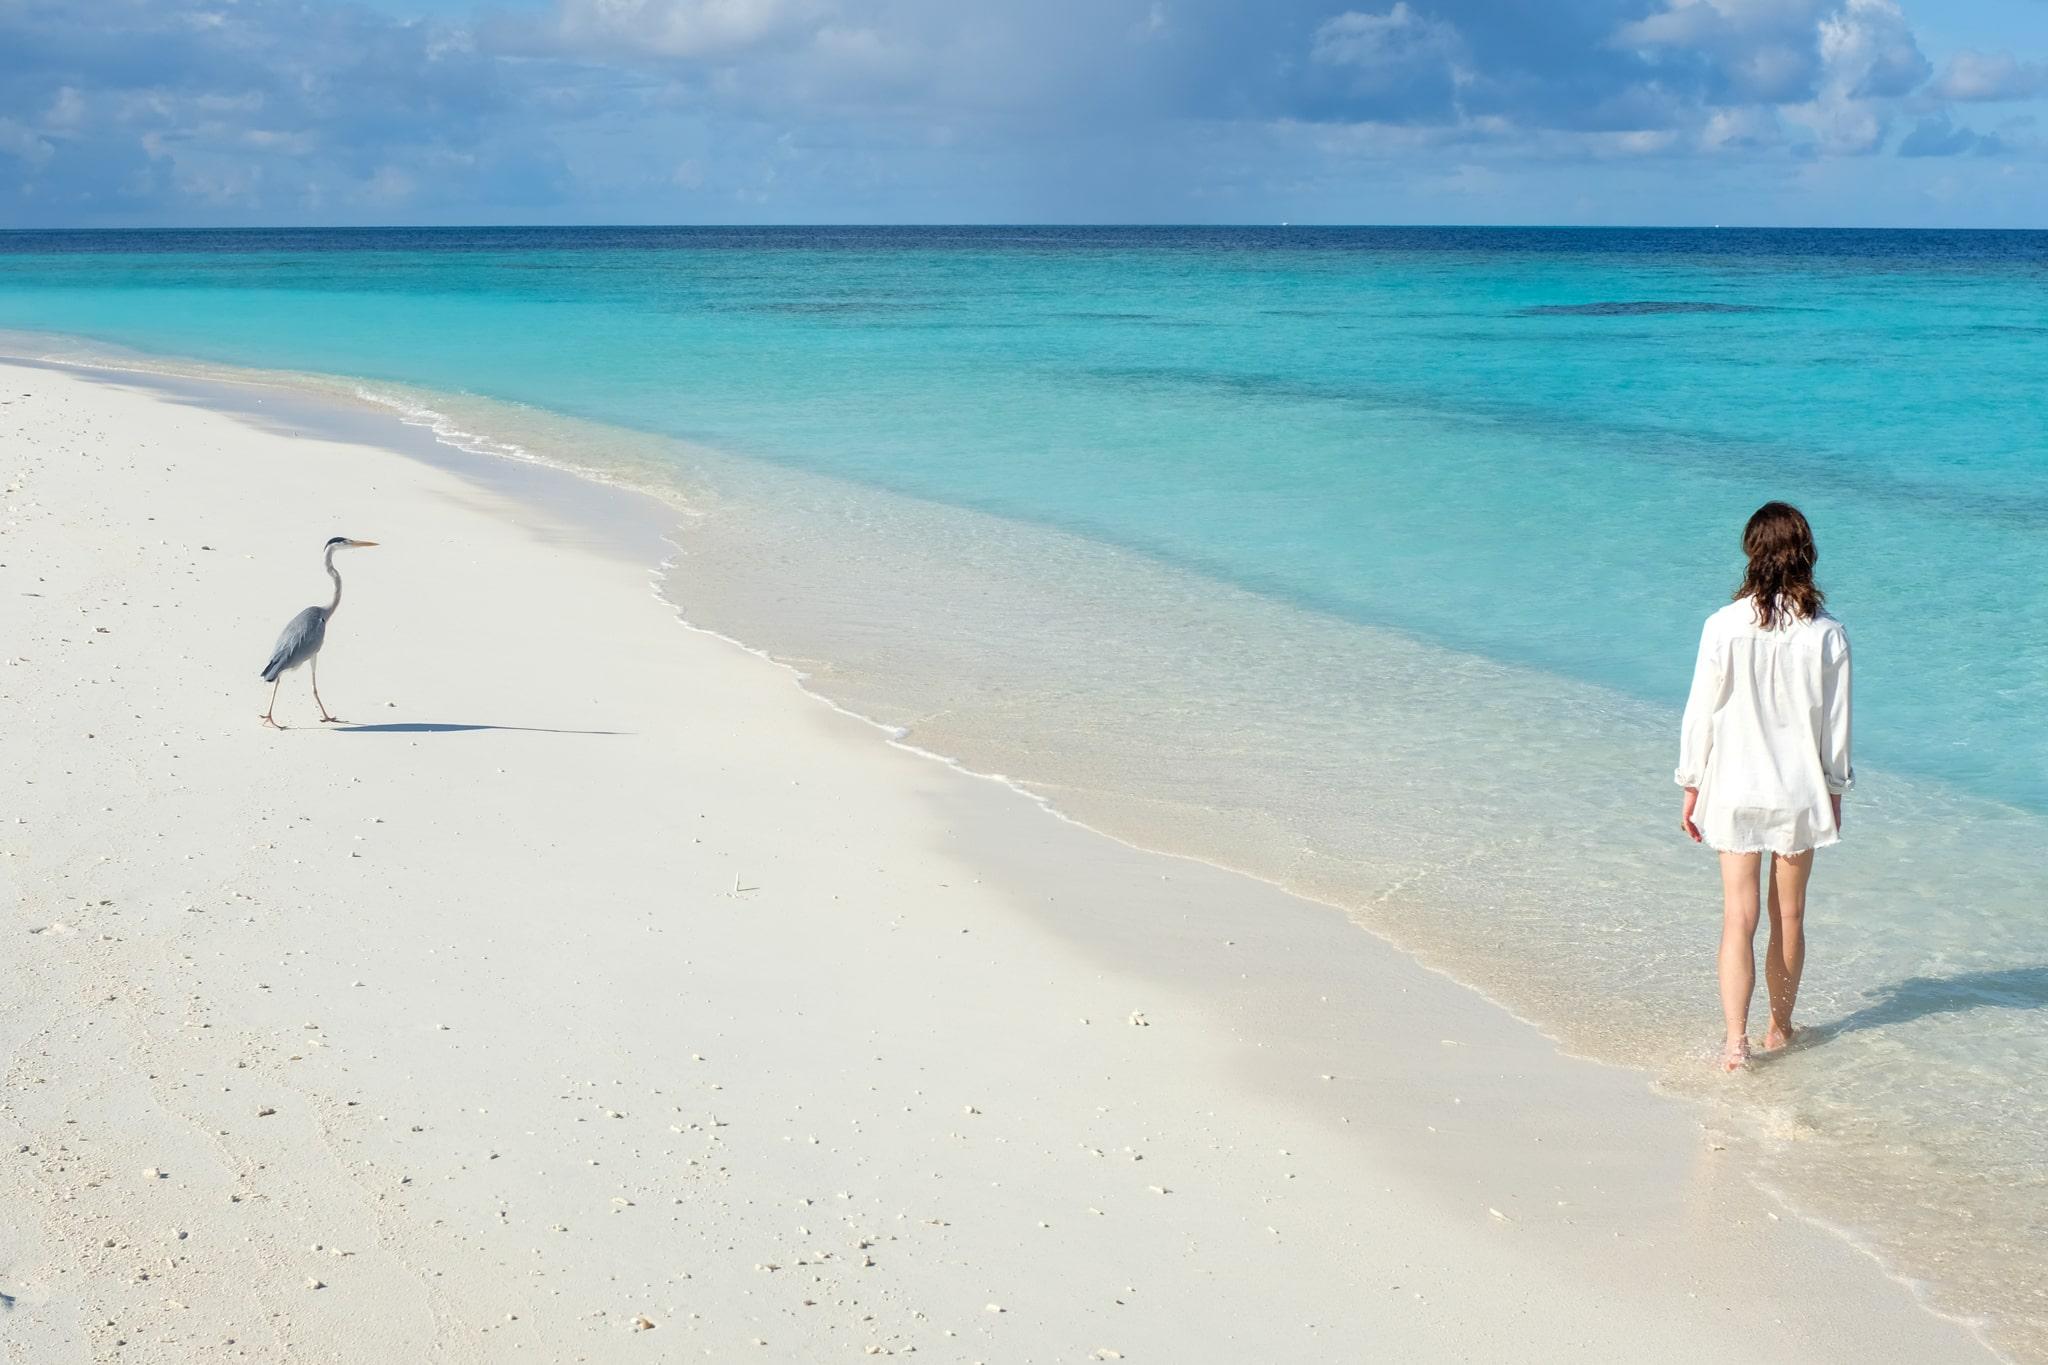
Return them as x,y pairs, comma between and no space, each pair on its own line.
421,727
1917,997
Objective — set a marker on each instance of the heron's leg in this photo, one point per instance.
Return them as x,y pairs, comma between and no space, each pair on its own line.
324,717
268,718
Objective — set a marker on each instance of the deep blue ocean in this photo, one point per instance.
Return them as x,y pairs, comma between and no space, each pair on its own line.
1371,561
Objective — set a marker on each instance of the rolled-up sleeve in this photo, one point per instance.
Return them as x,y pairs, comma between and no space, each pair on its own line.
1834,757
1696,732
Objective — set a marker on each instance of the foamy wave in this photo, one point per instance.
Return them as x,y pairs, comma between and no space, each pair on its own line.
445,430
413,410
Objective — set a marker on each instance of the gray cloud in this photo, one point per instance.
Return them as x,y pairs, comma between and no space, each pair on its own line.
269,107
1938,135
1400,66
282,109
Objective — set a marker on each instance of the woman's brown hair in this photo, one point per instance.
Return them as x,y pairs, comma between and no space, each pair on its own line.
1781,553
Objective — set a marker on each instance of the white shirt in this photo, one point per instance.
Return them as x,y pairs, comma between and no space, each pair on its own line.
1766,731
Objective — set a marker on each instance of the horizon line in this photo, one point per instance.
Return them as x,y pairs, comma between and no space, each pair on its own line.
994,225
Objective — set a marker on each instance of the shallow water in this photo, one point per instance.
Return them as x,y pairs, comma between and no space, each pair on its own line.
1370,563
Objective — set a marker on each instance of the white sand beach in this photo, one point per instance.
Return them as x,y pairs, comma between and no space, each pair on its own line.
596,994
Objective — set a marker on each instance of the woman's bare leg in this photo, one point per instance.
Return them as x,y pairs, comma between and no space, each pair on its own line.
1738,951
1785,953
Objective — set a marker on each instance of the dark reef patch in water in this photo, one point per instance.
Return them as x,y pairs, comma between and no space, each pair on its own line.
1478,336
1249,384
839,307
1089,315
1635,308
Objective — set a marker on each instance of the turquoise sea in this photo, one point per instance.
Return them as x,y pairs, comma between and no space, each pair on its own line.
1368,561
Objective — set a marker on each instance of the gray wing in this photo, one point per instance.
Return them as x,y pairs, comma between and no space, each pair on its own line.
299,642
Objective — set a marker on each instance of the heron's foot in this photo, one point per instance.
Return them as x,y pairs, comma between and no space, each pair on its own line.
332,720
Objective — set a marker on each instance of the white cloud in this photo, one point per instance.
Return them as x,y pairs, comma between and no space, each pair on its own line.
1398,40
221,181
1991,76
23,145
390,185
272,140
1771,70
1868,60
1840,127
861,57
67,108
1369,140
243,102
1867,51
1688,23
1479,181
1777,51
1760,50
1746,127
1639,142
1834,67
683,28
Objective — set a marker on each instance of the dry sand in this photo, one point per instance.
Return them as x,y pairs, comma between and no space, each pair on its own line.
598,995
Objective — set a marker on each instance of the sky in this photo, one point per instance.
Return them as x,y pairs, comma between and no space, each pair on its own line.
281,112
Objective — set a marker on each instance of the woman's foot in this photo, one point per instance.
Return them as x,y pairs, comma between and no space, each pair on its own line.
1779,1037
1735,1055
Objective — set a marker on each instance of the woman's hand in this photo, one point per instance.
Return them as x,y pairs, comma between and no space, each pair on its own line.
1692,799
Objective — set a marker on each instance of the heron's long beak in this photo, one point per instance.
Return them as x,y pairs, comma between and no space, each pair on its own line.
362,544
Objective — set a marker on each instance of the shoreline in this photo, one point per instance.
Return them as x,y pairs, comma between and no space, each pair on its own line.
1302,949
612,514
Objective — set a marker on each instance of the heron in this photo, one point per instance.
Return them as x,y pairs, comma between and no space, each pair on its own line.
300,643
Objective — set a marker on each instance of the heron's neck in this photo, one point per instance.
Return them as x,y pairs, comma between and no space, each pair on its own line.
334,574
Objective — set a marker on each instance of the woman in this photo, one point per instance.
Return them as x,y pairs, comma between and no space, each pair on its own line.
1763,756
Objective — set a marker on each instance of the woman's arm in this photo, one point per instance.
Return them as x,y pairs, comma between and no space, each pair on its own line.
1696,731
1834,756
